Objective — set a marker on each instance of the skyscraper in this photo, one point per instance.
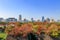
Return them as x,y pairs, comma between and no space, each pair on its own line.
20,17
32,19
43,19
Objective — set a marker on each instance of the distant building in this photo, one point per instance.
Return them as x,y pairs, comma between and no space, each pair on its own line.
1,19
20,17
58,20
38,20
11,20
32,19
43,19
52,20
48,20
25,20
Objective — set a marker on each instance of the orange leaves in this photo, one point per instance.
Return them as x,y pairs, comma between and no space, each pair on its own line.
26,28
36,27
41,28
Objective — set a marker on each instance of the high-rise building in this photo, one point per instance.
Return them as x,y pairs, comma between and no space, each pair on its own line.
32,19
43,19
20,17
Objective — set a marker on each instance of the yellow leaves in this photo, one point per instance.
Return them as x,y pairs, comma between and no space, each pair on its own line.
54,33
35,28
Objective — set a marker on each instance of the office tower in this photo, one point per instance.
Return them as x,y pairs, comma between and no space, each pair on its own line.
32,19
43,19
20,17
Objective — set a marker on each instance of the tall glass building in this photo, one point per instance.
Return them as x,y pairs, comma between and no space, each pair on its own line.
43,19
20,17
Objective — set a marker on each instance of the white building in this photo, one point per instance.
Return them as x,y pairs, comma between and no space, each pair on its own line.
11,20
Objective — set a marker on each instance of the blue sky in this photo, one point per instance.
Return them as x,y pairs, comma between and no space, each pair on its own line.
30,8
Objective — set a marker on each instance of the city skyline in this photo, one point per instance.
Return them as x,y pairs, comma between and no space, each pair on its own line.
30,9
21,18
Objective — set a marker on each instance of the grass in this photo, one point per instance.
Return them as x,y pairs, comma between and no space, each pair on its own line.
3,35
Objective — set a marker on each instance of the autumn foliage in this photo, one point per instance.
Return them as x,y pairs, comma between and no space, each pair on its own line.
36,28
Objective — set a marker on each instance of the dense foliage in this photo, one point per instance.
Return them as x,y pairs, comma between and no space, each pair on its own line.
17,29
23,29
